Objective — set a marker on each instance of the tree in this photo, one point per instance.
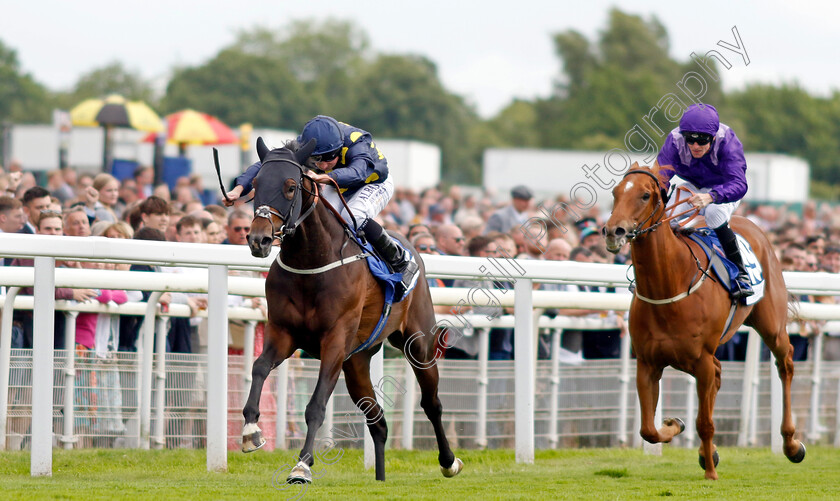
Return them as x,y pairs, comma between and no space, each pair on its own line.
402,97
787,119
239,87
514,126
323,56
22,99
608,87
112,78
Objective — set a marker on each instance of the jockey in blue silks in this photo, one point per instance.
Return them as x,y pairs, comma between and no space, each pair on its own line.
708,155
348,155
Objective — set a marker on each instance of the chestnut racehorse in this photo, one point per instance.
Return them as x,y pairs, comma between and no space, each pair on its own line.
683,330
323,299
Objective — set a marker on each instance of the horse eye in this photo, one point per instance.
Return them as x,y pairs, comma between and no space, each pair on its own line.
646,197
292,188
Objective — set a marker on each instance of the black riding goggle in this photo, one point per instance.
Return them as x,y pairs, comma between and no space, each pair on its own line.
325,157
697,137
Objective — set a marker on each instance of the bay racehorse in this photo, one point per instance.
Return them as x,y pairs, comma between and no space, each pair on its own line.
670,326
323,299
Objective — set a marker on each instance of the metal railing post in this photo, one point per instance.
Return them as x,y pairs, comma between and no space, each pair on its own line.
146,348
483,334
816,384
158,440
408,408
775,407
748,385
282,403
42,367
217,368
690,411
5,359
248,358
554,392
523,370
624,389
377,372
69,438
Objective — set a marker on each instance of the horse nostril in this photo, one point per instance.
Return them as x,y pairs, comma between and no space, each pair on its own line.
265,242
620,232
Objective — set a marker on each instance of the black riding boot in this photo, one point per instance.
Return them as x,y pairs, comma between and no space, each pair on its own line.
730,246
398,260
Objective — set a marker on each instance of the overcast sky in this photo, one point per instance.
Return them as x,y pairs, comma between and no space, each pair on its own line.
487,51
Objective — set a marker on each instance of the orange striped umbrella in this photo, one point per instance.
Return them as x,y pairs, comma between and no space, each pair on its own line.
193,127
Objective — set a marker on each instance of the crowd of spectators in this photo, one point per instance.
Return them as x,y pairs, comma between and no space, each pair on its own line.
455,222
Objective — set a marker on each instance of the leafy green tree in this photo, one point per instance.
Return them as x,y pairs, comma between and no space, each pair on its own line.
608,86
514,126
22,99
787,119
324,56
402,97
112,78
239,87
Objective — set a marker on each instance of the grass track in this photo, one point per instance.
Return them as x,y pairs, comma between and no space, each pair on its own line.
565,474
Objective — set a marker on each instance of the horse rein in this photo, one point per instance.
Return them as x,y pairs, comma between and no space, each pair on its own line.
633,234
267,211
695,210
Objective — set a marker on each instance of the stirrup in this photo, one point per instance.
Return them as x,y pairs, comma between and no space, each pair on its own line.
410,271
743,290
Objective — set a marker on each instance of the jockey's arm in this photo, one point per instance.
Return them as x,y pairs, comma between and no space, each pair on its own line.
360,166
242,184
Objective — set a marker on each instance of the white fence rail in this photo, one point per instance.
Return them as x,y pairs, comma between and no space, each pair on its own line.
219,259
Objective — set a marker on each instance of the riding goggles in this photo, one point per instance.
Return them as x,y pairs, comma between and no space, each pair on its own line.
325,157
697,137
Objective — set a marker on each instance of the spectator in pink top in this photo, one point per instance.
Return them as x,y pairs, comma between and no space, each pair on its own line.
86,322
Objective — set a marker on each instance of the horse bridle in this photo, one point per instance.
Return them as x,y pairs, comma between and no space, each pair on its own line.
632,234
635,233
266,211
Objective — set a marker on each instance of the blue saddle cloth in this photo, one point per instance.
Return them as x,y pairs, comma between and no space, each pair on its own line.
725,269
390,283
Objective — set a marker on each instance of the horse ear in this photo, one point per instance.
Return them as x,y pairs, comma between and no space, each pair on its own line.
634,166
262,149
655,168
302,155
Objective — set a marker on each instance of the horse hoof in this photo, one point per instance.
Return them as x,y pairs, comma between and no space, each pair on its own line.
252,438
301,474
677,421
715,459
800,454
453,470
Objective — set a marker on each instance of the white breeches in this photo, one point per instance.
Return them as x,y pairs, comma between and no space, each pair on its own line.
365,203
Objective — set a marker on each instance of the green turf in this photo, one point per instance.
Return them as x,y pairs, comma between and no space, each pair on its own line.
566,474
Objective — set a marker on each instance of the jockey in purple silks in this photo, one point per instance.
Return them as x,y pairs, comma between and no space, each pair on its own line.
709,157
